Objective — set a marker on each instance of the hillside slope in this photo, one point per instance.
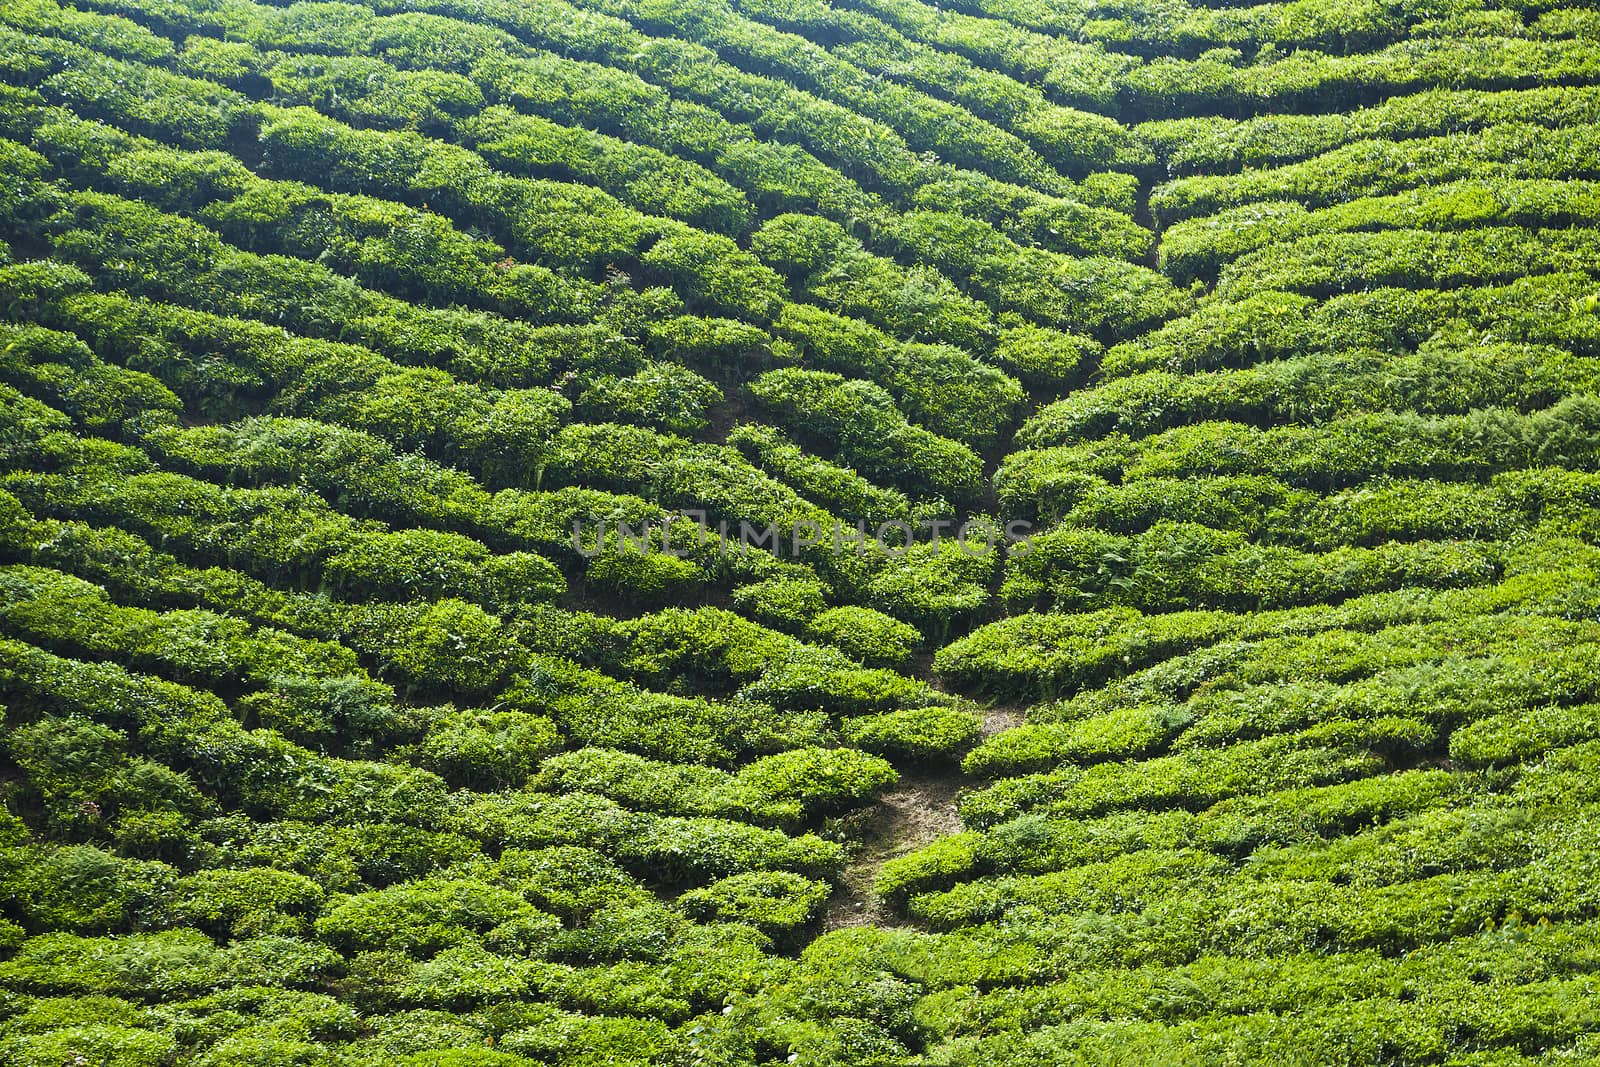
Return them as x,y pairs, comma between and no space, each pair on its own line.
457,458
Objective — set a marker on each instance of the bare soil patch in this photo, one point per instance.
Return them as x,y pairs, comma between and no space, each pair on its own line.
921,809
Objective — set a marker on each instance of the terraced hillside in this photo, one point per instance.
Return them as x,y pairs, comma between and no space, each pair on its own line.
389,392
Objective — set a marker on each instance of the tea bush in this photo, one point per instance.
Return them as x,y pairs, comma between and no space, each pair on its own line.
387,391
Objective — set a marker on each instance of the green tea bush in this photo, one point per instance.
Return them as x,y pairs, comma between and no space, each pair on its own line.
1377,167
662,395
654,785
81,887
914,735
876,639
1128,733
1053,654
860,422
786,603
837,488
487,749
1521,734
246,903
775,902
427,916
819,780
166,964
91,1043
1219,145
327,325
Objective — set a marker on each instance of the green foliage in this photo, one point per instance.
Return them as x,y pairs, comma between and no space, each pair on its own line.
838,488
81,887
716,274
326,327
427,916
487,749
941,862
82,772
91,1043
174,962
786,603
1043,358
665,396
820,780
1059,652
915,735
246,903
775,902
1521,734
860,422
451,646
870,636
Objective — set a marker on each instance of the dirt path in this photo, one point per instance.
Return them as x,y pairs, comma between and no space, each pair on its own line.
921,809
1002,717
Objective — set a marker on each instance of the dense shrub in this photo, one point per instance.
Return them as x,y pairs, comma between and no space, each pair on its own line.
915,735
331,330
870,636
861,423
775,902
663,395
